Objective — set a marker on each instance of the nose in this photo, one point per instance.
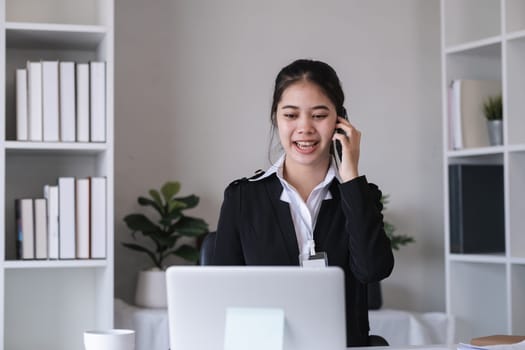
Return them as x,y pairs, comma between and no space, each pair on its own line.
305,125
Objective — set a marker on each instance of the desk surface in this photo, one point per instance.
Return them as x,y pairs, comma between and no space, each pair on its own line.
402,329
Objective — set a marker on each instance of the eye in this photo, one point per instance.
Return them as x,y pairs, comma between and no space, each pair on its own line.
290,115
320,116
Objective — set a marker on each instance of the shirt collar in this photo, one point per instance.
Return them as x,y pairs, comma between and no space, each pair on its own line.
277,169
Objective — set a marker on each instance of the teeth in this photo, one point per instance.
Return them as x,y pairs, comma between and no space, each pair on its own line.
305,144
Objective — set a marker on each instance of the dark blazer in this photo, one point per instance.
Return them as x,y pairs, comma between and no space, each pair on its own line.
256,228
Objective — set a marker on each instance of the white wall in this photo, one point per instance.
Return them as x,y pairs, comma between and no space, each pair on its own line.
193,91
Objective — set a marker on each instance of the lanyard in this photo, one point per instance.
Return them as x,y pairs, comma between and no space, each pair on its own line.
309,229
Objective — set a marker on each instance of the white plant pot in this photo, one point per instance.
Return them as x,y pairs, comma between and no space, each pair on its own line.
151,289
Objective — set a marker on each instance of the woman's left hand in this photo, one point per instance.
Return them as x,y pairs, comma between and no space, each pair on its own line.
350,142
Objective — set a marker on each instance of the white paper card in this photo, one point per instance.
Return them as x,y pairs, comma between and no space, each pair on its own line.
254,329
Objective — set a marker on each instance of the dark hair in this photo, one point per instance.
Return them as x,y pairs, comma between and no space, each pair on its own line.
316,72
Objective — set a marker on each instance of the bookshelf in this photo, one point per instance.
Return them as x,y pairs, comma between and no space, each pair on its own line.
47,304
485,39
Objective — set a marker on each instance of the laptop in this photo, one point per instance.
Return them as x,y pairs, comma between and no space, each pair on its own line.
201,297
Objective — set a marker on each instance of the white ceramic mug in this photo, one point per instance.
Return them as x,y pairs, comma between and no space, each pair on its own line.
112,339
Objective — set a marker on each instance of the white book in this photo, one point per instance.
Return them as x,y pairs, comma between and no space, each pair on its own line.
66,217
34,100
68,122
50,110
98,101
98,217
21,105
455,107
40,212
25,239
82,217
82,78
51,195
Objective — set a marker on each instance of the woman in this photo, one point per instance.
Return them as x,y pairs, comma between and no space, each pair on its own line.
305,206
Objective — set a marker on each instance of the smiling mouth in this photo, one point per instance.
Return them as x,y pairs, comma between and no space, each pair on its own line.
304,145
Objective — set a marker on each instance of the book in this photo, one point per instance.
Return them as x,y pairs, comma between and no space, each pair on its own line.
98,217
82,217
497,339
25,239
21,105
468,120
34,101
66,217
82,93
97,75
455,117
50,118
477,222
68,123
51,195
40,221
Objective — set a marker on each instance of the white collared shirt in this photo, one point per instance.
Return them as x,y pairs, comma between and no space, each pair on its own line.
304,214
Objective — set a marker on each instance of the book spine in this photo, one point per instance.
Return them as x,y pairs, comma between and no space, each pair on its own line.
67,102
40,212
50,102
98,101
25,242
51,194
66,217
82,218
21,105
82,77
98,217
34,97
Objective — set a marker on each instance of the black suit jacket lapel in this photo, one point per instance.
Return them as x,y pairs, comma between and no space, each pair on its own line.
325,218
284,218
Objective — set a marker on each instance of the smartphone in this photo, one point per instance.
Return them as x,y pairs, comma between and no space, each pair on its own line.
338,149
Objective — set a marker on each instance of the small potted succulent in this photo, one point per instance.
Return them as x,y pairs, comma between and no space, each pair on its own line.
163,234
493,111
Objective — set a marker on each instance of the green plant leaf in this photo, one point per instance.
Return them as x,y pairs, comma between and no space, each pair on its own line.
176,205
146,201
156,197
191,201
187,252
139,222
189,226
170,189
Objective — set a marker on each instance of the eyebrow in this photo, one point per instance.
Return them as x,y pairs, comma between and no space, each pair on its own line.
314,107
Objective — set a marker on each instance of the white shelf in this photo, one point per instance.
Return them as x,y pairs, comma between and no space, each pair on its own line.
474,152
53,301
53,36
489,46
18,147
46,264
516,35
485,39
479,258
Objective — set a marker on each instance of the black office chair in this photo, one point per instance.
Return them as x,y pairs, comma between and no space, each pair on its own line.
206,256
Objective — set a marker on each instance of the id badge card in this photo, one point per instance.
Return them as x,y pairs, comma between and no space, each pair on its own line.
319,259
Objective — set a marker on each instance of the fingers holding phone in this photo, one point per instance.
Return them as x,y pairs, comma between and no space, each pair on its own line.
349,139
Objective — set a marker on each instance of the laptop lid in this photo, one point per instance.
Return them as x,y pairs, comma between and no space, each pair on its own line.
312,299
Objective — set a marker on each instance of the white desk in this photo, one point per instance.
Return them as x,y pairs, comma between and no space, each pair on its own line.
399,328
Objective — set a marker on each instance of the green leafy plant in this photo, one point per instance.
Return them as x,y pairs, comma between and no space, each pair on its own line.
171,224
493,108
396,240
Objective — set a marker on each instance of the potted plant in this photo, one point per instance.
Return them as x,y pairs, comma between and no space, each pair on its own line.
163,234
375,299
493,111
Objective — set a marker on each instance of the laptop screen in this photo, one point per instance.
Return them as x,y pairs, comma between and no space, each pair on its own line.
200,297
